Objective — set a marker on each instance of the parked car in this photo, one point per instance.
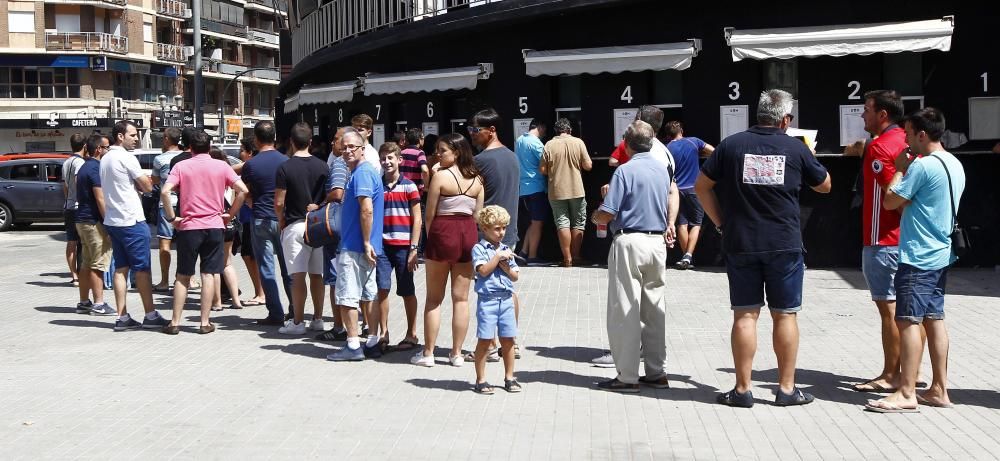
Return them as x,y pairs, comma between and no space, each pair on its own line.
31,190
21,156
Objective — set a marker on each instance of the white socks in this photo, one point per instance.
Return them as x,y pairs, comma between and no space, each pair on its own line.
353,343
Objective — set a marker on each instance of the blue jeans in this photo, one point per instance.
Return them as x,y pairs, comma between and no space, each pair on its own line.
266,245
920,293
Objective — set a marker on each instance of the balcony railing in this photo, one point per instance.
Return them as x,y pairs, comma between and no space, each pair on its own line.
225,29
282,7
170,52
263,36
339,20
86,41
266,74
90,2
173,8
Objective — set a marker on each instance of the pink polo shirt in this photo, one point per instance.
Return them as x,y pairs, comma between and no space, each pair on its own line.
202,181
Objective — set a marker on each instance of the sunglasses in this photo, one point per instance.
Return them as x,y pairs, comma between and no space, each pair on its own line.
476,129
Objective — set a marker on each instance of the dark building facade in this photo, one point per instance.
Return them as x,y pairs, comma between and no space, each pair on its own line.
431,64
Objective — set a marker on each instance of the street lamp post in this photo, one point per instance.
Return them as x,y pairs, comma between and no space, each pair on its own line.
223,95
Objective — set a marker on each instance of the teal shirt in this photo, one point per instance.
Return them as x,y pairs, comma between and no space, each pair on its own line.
925,228
529,152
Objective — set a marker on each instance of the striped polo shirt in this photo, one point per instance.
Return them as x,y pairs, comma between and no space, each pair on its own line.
410,163
397,222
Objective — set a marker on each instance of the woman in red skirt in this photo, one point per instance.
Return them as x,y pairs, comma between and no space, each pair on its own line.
453,197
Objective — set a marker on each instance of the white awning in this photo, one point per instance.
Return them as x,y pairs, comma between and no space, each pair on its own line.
614,59
457,78
292,103
327,93
863,39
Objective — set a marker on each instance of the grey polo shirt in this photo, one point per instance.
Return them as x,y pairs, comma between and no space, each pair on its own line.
637,195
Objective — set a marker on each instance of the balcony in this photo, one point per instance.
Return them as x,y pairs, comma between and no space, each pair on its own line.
239,32
267,6
259,36
173,53
116,4
86,41
266,74
173,8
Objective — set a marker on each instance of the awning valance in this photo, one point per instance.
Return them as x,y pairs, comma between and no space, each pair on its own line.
863,39
327,93
457,78
614,59
291,103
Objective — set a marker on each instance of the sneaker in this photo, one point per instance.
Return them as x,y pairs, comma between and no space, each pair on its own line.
156,323
493,355
102,309
797,397
655,383
422,360
317,325
292,328
373,352
456,360
615,385
84,307
346,354
735,399
684,263
333,334
128,324
604,361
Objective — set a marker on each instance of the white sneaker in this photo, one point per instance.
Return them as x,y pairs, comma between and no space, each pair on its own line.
292,328
456,360
317,325
422,360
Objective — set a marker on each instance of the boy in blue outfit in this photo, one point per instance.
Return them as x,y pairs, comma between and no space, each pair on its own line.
496,273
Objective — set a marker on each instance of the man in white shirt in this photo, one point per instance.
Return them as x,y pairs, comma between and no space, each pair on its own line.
122,179
363,124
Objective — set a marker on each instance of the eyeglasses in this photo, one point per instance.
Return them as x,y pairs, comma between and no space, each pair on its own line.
476,129
350,147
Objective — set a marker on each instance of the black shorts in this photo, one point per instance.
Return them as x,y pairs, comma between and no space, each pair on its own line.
691,212
69,219
203,243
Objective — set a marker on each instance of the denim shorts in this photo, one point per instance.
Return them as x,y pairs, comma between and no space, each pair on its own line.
164,229
495,316
394,259
920,293
130,246
691,211
879,264
778,274
69,220
537,205
355,279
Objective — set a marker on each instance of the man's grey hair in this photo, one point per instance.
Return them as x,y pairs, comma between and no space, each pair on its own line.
563,125
639,136
349,131
773,106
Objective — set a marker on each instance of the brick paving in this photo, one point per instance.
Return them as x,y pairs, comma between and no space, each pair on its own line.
72,388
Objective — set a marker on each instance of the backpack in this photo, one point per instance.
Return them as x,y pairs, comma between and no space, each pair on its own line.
323,225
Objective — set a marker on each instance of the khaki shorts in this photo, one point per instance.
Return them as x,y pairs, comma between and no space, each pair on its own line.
96,246
570,213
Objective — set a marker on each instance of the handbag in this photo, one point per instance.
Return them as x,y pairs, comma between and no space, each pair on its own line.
323,225
959,239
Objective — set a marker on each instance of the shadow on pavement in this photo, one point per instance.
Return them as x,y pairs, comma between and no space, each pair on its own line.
444,384
569,353
106,325
824,385
62,284
961,281
299,348
697,392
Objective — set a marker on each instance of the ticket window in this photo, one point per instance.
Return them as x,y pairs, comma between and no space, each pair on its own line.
903,72
458,125
569,100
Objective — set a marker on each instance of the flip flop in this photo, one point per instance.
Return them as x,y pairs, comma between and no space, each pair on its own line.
406,345
871,386
881,406
251,302
160,289
924,401
217,309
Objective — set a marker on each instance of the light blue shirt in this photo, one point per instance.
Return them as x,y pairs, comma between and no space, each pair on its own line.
529,152
637,195
497,283
925,227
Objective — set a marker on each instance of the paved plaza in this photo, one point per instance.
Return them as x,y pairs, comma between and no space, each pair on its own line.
71,388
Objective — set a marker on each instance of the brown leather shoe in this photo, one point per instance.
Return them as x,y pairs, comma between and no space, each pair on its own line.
171,329
206,329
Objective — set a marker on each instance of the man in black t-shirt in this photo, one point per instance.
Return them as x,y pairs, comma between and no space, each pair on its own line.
757,175
299,187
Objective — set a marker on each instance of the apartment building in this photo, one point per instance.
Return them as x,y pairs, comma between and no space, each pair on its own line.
70,66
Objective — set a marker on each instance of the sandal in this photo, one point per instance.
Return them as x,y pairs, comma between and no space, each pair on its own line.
484,388
406,345
512,386
217,309
251,303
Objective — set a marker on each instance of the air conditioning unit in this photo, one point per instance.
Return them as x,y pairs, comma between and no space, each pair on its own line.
187,13
188,52
117,107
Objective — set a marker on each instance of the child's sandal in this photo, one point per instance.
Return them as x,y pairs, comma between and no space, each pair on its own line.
484,388
511,385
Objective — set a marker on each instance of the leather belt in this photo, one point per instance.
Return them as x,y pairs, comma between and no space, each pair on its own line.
637,231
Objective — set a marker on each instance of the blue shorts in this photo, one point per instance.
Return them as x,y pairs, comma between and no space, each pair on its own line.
495,316
779,274
393,258
164,229
330,265
691,212
537,205
69,220
130,246
920,293
879,264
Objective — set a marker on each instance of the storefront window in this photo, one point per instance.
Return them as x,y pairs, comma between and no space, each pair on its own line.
782,75
44,83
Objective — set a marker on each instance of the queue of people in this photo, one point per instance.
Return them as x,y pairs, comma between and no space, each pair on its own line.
459,209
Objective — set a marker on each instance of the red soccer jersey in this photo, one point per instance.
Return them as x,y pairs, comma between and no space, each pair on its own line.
881,226
620,154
